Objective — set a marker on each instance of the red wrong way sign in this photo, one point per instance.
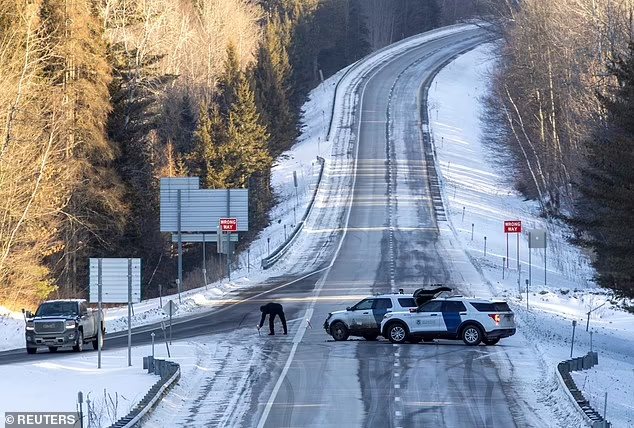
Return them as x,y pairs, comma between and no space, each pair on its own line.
513,226
229,224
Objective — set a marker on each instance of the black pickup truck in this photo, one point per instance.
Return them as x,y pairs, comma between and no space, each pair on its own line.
58,323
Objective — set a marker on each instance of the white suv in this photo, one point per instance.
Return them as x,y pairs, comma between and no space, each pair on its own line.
470,319
364,318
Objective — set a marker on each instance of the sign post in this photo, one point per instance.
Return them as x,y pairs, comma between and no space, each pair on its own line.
513,226
129,312
537,239
170,308
99,320
115,280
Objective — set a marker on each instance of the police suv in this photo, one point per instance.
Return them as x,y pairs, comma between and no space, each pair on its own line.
364,318
456,317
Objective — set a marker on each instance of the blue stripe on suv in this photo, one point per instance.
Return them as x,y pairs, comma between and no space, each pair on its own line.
452,321
378,315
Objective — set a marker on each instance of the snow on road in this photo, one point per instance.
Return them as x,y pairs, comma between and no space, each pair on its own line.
478,198
476,192
216,384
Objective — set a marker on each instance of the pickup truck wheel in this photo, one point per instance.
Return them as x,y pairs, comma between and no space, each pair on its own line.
52,348
339,331
95,343
31,351
397,333
80,342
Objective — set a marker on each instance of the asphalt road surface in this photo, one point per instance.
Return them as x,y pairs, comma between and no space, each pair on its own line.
388,240
390,243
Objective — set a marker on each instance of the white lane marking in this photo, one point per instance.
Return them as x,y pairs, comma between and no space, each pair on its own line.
396,354
397,374
309,312
397,398
397,413
296,340
396,364
151,327
397,386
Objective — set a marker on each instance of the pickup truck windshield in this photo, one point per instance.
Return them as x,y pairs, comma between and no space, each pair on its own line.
57,308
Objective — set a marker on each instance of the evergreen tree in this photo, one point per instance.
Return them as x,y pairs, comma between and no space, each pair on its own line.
242,160
303,53
273,88
415,17
604,212
228,81
357,36
206,161
203,145
245,152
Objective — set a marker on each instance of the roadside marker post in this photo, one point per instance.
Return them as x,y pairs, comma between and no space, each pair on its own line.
572,343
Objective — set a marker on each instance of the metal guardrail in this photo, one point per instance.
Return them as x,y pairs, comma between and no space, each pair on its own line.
170,373
284,246
282,249
591,416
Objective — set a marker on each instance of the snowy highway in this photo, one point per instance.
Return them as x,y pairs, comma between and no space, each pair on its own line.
391,241
382,222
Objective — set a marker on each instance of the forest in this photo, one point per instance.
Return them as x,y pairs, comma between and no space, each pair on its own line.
561,112
102,98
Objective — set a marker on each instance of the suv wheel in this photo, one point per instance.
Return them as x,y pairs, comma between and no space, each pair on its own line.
339,331
491,341
397,333
80,342
471,335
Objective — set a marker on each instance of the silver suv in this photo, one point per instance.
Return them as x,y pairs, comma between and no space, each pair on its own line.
364,318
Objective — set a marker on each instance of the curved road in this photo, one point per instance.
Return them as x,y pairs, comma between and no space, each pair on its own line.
388,240
390,243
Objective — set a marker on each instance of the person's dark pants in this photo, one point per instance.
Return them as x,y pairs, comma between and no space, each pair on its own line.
272,319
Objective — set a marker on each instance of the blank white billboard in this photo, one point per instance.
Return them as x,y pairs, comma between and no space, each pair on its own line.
114,280
202,209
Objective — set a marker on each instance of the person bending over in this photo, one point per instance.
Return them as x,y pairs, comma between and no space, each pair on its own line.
272,309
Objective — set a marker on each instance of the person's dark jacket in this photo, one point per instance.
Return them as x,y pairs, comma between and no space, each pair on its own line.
271,309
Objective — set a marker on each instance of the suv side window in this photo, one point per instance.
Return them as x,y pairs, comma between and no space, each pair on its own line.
453,307
491,307
407,302
382,303
364,304
433,306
